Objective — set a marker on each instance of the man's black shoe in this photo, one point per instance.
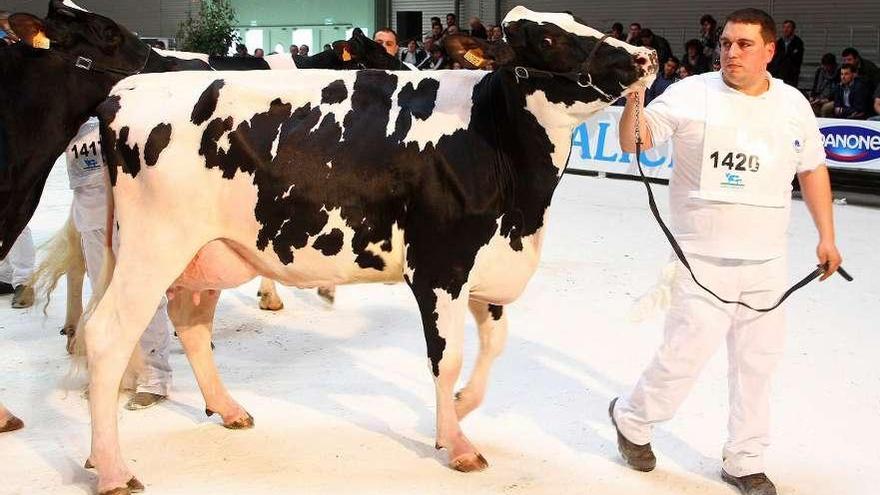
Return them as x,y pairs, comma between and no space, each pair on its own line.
638,457
6,288
752,484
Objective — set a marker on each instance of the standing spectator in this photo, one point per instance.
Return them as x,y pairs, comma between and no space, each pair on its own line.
304,50
865,69
617,31
635,34
824,85
258,53
876,104
789,56
241,50
478,30
657,42
387,37
413,54
663,80
852,100
17,268
695,57
436,60
710,33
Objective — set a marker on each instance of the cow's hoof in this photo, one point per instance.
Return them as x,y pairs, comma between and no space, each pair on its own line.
135,486
468,463
328,294
238,424
88,464
268,303
11,424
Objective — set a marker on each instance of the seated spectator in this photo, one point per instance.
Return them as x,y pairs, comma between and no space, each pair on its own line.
436,61
455,66
685,70
241,50
710,33
865,69
304,50
436,32
852,100
413,54
616,31
695,57
495,34
668,76
478,30
657,42
294,50
387,37
876,104
635,34
824,84
451,20
327,47
259,53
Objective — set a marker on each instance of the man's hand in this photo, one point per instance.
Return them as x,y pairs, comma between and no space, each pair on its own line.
827,253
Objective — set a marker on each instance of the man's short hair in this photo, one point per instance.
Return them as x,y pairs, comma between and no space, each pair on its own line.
387,30
635,24
675,59
708,18
789,21
829,59
646,33
850,52
755,16
617,26
693,42
849,67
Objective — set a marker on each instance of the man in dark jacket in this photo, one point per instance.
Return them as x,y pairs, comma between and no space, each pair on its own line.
657,42
852,100
789,56
865,70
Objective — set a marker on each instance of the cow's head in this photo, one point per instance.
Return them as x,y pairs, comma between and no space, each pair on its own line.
45,97
559,55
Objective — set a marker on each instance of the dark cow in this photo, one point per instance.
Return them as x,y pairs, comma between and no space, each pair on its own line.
440,179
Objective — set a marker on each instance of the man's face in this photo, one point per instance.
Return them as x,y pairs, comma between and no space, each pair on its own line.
388,41
744,54
787,30
682,72
669,69
706,27
846,76
428,44
634,31
848,59
450,20
436,30
647,41
411,46
496,33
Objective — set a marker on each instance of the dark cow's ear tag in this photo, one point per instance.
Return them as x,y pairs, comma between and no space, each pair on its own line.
475,57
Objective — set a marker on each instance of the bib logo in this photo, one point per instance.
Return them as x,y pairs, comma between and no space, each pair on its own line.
851,144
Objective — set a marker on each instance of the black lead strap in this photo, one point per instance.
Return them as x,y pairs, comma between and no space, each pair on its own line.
820,269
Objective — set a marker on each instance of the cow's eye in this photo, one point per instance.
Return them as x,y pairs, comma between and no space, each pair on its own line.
547,42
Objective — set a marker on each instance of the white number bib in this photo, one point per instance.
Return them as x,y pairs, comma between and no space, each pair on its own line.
84,157
742,161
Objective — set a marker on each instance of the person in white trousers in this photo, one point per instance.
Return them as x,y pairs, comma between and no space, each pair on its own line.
739,136
84,167
17,268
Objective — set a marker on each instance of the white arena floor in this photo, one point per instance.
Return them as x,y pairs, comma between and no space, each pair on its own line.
344,402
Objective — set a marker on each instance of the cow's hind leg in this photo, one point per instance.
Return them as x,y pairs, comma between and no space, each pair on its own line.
443,321
268,295
492,326
194,323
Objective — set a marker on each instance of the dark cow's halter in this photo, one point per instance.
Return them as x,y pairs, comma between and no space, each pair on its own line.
88,64
578,77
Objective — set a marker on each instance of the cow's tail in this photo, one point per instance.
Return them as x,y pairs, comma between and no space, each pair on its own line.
658,298
62,255
99,288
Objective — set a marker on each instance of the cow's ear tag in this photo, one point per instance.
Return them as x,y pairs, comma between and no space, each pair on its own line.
475,57
346,55
40,40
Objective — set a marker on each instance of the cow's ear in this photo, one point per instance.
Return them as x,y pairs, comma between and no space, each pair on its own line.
30,29
474,53
343,50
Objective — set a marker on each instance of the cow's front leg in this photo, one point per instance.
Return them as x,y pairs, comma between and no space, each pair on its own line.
268,294
443,321
492,325
194,323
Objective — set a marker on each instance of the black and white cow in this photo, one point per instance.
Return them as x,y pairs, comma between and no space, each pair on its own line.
441,179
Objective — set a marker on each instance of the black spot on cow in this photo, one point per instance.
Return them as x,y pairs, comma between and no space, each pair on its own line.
107,114
131,159
335,92
329,243
496,311
159,138
415,102
207,103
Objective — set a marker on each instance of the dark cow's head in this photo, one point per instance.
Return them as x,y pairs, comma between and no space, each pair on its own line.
559,54
358,52
41,83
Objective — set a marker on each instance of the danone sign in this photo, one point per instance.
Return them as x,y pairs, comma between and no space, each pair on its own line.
851,144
